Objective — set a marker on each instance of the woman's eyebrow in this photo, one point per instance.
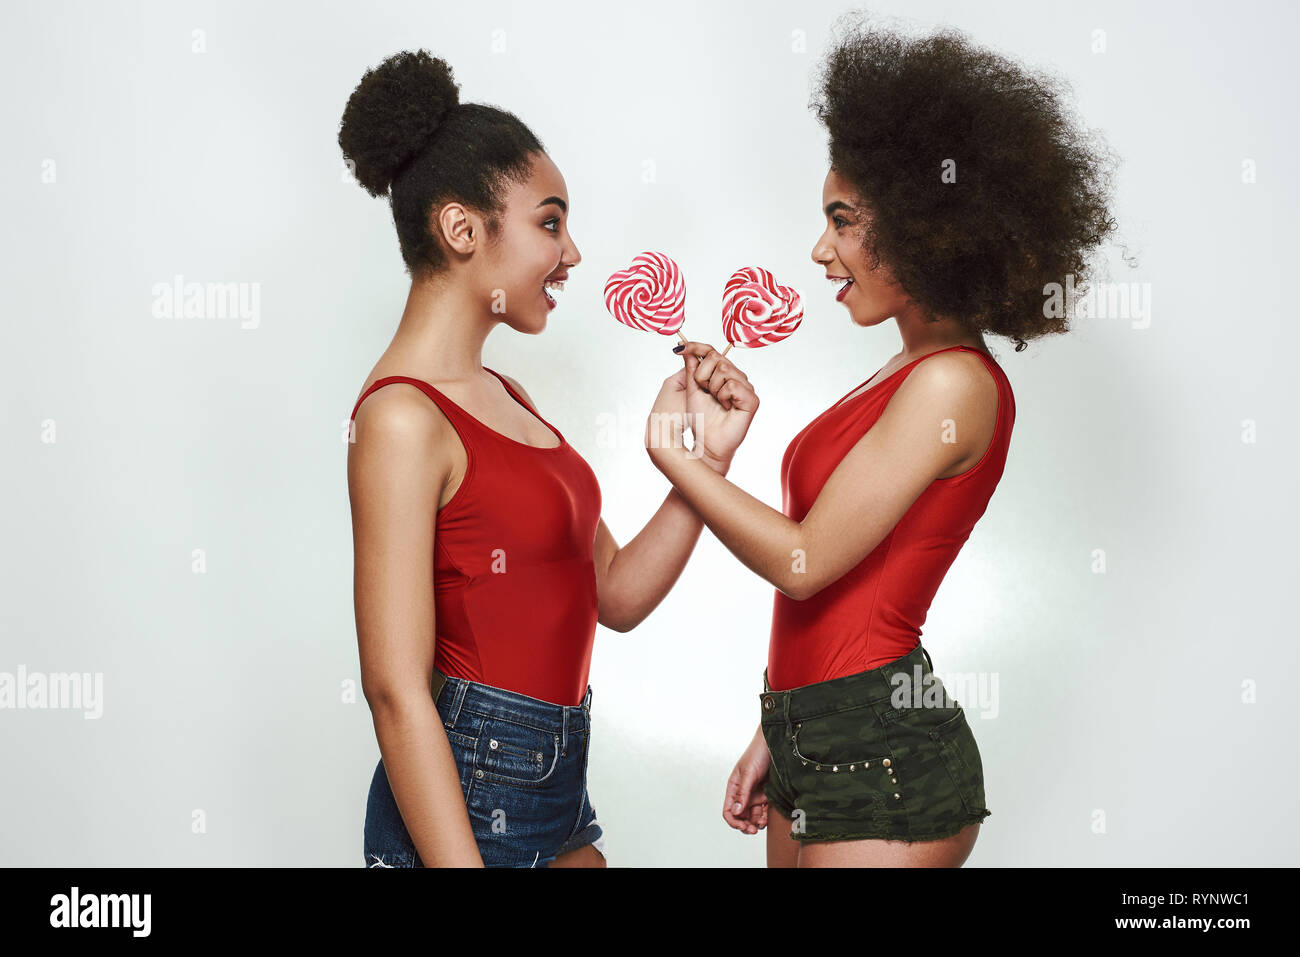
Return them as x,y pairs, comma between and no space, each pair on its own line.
837,205
564,207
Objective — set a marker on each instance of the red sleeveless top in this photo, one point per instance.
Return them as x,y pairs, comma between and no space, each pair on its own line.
514,571
873,614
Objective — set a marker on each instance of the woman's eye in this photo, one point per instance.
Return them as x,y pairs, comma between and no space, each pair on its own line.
839,223
547,224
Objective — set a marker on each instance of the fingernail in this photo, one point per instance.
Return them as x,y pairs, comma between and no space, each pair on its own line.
679,347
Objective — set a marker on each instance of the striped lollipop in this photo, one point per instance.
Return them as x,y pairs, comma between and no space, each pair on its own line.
757,310
649,295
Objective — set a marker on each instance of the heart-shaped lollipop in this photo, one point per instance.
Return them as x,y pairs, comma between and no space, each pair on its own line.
649,295
757,310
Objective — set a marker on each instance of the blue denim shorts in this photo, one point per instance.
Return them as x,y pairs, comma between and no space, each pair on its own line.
523,771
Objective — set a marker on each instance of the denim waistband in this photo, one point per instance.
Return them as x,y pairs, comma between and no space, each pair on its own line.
865,686
457,694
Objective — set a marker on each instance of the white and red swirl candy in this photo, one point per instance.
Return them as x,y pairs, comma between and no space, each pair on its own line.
757,310
650,295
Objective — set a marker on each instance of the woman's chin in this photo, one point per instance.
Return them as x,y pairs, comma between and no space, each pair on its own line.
866,322
532,326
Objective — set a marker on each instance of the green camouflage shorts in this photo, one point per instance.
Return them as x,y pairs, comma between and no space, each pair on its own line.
882,754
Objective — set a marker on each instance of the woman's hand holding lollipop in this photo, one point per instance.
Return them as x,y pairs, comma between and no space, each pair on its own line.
710,396
720,402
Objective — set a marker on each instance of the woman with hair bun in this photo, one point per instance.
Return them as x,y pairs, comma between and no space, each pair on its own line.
958,189
482,565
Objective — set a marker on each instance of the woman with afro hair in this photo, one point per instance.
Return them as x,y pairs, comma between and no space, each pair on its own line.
482,564
958,189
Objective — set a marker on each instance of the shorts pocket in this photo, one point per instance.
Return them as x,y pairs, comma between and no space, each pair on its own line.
961,756
849,740
518,754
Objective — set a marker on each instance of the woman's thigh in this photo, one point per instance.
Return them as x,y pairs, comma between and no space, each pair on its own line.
585,856
947,852
782,849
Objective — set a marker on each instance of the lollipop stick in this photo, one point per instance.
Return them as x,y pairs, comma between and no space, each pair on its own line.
682,337
724,351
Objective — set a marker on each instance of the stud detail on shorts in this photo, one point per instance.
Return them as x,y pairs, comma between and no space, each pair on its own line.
478,774
493,744
767,703
885,762
850,767
897,796
835,767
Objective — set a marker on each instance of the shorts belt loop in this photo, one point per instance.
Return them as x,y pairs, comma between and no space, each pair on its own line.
457,700
564,730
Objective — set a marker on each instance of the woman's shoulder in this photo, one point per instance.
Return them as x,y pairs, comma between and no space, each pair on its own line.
956,372
956,384
400,415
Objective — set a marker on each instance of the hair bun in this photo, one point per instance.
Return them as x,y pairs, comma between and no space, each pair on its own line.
392,115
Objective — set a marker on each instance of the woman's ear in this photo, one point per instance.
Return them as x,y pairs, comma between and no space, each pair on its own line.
456,224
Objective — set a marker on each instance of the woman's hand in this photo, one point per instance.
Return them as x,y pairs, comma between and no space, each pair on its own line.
745,805
720,402
665,425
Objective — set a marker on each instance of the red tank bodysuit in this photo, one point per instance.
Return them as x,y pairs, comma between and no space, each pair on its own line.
514,573
873,614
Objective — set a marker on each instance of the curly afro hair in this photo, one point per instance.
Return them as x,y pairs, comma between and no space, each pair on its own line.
406,134
1031,192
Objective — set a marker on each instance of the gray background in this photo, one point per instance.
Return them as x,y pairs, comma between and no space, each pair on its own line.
1120,693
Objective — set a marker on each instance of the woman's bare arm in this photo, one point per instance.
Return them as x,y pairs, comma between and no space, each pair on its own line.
868,492
398,465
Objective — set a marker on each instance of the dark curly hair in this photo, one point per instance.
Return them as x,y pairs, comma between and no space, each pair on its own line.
405,133
1032,190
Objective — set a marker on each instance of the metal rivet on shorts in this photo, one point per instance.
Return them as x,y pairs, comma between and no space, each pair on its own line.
885,762
492,744
819,767
767,704
865,765
835,767
478,774
897,796
893,780
850,767
805,764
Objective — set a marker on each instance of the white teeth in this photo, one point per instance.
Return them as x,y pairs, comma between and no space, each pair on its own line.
552,284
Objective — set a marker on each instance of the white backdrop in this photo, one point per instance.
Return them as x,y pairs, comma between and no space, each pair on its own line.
1124,589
